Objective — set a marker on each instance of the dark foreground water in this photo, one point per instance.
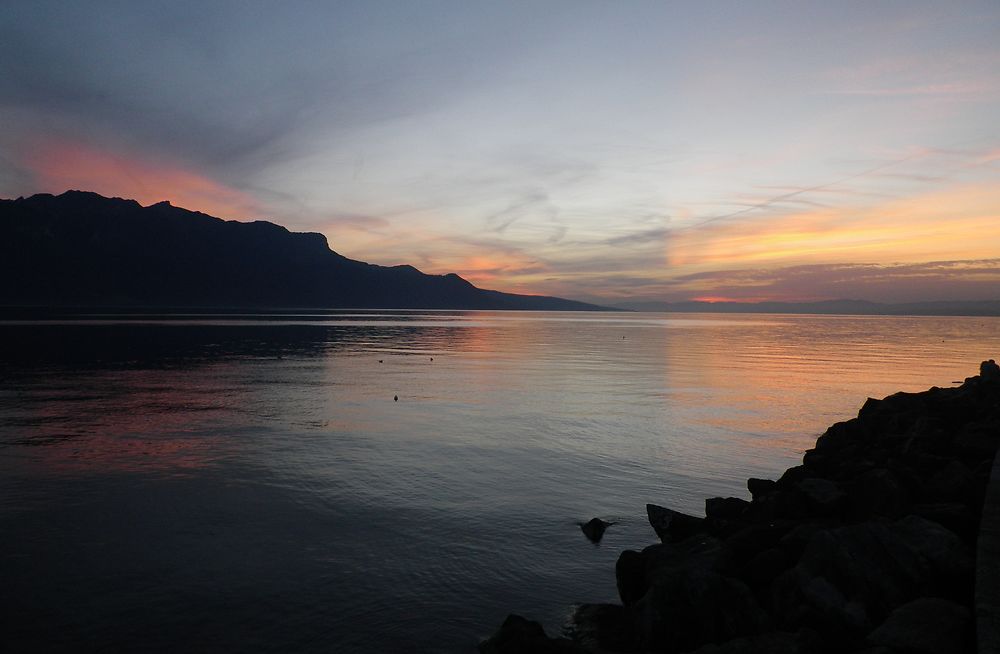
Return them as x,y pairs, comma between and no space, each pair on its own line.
248,483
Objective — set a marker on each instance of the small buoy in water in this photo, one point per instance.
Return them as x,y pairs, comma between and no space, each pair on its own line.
395,398
432,358
380,360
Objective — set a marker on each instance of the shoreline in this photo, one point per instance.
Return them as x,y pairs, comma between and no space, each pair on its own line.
870,545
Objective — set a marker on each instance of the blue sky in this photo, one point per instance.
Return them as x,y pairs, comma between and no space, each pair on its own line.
603,151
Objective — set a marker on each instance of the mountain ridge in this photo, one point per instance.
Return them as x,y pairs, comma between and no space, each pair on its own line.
82,249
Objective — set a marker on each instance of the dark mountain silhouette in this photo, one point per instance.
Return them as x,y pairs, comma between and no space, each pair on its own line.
81,249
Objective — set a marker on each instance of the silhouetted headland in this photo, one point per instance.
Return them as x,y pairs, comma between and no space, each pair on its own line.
81,249
868,546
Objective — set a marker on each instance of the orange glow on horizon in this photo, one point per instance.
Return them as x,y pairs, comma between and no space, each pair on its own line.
960,223
62,165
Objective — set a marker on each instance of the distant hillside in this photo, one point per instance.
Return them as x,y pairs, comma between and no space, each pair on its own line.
844,307
81,249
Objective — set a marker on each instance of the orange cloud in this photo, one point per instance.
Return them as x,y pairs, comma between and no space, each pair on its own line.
960,223
63,165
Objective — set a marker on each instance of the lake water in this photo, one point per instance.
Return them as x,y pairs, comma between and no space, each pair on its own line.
248,483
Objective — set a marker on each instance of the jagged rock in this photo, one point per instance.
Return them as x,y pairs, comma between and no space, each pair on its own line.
849,578
877,492
594,529
928,625
518,635
978,440
772,643
958,518
686,608
989,370
763,568
603,627
635,572
760,487
630,577
672,525
750,541
725,508
822,496
953,483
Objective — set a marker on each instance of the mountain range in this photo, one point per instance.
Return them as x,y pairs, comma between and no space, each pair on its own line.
81,249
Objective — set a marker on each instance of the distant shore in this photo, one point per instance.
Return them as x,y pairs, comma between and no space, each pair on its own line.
869,545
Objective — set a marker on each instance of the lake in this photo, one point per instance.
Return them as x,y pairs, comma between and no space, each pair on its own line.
249,482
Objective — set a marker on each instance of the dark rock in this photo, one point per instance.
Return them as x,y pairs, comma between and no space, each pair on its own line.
750,541
771,643
928,625
635,572
978,440
594,529
953,483
518,635
838,436
603,627
725,508
958,518
878,492
849,578
672,525
630,576
822,496
989,370
687,608
760,487
763,568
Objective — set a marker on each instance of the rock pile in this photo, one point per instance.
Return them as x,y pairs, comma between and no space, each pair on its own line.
868,546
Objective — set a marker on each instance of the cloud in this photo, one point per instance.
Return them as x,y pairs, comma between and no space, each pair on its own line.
57,166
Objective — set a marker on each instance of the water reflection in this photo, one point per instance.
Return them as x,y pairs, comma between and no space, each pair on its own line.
247,482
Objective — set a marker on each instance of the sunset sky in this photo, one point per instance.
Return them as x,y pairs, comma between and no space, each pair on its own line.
595,150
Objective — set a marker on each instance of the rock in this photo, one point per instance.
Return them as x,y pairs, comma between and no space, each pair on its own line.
725,508
760,487
771,643
603,627
953,483
878,492
822,496
635,572
672,525
849,578
978,440
594,529
518,635
630,577
928,625
763,568
989,370
953,516
686,608
744,545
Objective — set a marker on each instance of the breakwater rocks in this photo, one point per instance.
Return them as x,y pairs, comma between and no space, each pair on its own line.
868,546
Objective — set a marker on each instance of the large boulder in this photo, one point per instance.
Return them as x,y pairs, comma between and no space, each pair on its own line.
928,625
687,608
635,571
603,627
518,635
672,525
849,578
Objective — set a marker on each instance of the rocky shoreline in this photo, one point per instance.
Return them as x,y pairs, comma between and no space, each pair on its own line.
867,546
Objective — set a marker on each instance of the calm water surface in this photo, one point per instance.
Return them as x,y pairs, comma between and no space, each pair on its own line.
248,483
